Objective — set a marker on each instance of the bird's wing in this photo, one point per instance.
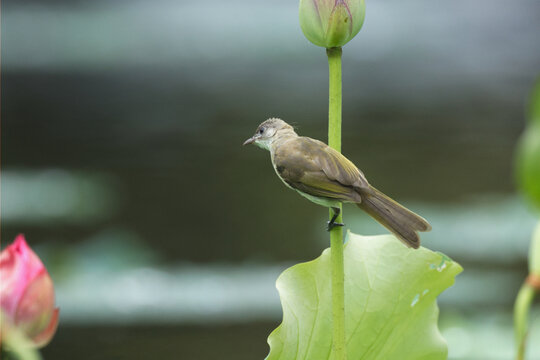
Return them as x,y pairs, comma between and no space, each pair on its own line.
337,167
305,165
318,184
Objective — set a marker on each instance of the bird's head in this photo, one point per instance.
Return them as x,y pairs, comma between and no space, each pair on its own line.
268,132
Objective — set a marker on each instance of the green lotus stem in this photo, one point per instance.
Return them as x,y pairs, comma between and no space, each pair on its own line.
15,345
339,350
521,313
526,295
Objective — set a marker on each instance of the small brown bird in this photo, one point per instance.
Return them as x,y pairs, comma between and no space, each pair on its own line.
326,177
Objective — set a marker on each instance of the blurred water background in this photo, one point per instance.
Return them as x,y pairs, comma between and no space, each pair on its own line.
122,125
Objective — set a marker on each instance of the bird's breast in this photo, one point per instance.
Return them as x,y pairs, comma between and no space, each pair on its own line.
279,170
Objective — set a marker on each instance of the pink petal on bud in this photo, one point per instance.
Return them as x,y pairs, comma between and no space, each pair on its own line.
19,265
36,305
27,291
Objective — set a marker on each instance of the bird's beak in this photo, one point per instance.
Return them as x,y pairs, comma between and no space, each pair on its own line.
250,140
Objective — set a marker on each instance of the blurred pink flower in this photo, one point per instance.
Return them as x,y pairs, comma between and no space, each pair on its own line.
27,293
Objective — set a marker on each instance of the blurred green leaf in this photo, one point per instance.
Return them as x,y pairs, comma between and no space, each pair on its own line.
390,303
534,107
528,163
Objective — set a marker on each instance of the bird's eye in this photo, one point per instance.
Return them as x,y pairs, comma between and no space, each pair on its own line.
261,131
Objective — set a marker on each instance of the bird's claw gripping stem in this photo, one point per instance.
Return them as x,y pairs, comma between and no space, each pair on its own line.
330,225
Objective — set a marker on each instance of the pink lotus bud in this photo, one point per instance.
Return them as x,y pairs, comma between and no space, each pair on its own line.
27,293
331,23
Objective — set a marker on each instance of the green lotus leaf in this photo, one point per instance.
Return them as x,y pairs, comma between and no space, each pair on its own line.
390,303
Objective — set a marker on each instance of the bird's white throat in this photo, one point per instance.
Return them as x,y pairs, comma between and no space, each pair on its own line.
264,143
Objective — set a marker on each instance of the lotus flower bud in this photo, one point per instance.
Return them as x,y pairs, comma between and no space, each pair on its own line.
27,301
331,23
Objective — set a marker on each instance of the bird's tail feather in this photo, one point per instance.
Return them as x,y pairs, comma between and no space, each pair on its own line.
398,219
